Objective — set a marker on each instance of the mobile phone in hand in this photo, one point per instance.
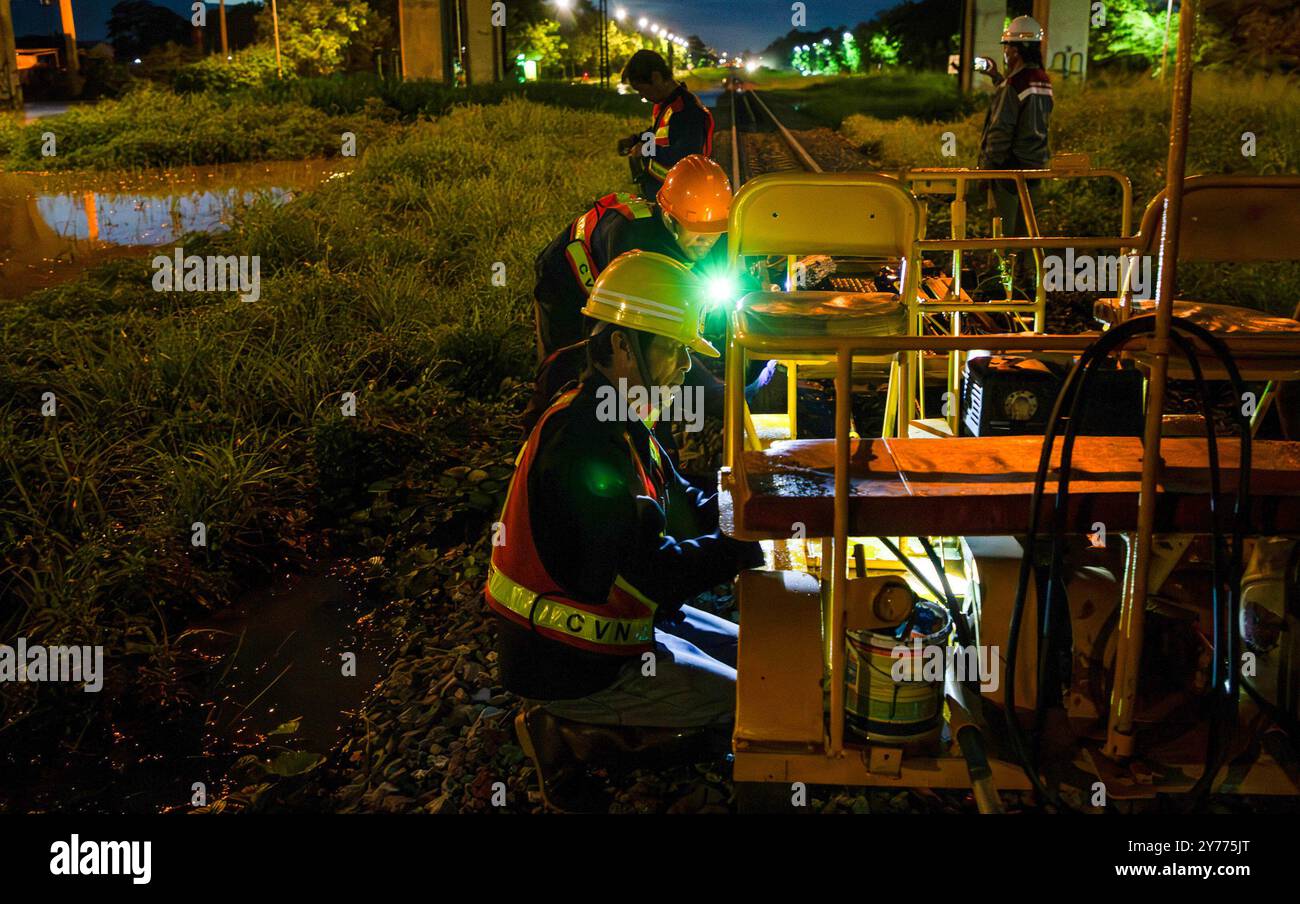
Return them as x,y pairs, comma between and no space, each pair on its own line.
981,64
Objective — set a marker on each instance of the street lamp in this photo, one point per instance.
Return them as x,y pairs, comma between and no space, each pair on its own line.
620,14
642,22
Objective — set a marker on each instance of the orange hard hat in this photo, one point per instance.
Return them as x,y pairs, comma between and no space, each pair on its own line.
697,194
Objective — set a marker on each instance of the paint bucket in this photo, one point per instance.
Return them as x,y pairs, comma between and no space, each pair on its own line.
907,710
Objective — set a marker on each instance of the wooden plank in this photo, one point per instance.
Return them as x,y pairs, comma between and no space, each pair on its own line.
982,486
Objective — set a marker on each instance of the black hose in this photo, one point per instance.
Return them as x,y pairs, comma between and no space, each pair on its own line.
916,572
950,598
1086,365
1112,338
960,628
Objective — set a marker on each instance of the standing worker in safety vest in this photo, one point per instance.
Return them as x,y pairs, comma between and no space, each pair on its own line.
688,217
1015,128
682,125
603,542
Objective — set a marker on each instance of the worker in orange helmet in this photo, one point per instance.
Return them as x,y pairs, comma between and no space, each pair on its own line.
684,223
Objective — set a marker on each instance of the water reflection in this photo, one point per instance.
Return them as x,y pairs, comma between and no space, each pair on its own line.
53,226
135,219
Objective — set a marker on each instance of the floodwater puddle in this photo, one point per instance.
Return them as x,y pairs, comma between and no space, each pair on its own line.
300,650
53,226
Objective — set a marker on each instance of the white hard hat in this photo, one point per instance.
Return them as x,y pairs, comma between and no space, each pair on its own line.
1023,28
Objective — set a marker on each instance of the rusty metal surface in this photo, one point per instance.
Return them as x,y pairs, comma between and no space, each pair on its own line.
974,486
824,313
1217,318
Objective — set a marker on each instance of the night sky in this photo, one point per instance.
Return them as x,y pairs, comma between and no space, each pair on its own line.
731,25
734,25
30,18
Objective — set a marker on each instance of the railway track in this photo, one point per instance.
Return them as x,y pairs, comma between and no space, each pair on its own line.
760,143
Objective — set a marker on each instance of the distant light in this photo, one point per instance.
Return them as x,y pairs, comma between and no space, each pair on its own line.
671,37
564,5
655,28
752,65
620,14
826,41
848,36
642,22
136,60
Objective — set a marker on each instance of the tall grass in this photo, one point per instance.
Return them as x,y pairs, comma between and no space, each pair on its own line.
283,120
356,92
194,407
1125,126
151,127
919,95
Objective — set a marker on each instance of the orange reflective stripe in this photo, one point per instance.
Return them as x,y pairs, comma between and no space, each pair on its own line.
578,251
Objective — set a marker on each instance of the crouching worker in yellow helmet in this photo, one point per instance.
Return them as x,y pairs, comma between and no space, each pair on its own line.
603,542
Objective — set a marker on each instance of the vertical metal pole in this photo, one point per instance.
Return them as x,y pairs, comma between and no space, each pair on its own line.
792,396
966,52
401,38
734,417
225,43
275,27
1164,50
1120,732
602,45
11,89
840,551
69,35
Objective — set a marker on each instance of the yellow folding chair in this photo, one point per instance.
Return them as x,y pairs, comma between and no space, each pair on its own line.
854,215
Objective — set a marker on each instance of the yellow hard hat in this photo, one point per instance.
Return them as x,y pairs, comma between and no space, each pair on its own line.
1022,29
697,194
653,293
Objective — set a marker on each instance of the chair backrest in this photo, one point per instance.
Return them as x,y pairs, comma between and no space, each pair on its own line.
840,214
1231,218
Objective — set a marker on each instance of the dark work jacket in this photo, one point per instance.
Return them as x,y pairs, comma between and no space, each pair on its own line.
589,527
1015,128
682,126
560,296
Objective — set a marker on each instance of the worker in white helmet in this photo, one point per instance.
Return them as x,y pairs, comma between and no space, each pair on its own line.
1015,129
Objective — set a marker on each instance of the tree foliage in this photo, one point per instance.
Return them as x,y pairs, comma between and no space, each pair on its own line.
315,34
1133,28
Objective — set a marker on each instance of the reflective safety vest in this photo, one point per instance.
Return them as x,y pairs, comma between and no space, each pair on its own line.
662,114
520,589
578,251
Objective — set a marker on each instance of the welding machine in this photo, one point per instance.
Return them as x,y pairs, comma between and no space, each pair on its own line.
1005,395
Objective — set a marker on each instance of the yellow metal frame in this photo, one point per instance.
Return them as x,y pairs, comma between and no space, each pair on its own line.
877,765
1241,188
956,181
873,765
845,214
824,233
